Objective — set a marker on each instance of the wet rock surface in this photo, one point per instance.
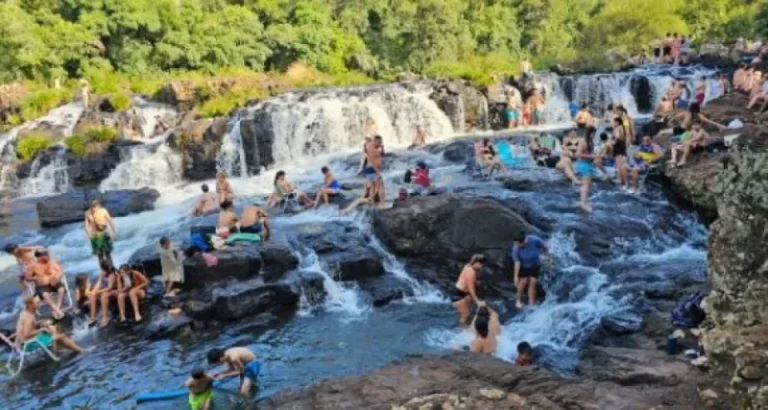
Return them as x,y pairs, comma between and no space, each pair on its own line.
70,207
481,382
445,230
199,142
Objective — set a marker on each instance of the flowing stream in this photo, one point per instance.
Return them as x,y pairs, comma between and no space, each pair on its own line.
600,261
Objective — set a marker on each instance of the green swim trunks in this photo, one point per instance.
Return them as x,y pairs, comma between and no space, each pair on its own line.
196,401
101,243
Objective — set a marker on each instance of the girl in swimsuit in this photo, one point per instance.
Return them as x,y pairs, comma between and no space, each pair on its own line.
284,188
131,285
105,289
330,188
620,150
490,158
701,91
465,287
83,290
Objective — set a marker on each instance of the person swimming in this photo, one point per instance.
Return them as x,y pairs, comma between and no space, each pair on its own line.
485,341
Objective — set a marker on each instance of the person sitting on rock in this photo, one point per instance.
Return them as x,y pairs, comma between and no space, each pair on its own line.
761,95
131,284
524,354
604,157
207,203
283,189
240,361
97,222
255,220
25,258
172,264
224,188
28,328
227,218
419,179
485,342
491,159
83,289
102,293
330,188
465,290
647,154
697,138
370,197
526,254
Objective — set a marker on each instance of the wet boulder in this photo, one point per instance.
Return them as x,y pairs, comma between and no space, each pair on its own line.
199,142
385,290
276,260
344,248
622,323
229,305
70,207
444,231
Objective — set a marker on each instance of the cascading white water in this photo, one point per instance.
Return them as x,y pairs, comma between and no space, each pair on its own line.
600,90
49,179
340,297
150,113
231,158
305,125
146,167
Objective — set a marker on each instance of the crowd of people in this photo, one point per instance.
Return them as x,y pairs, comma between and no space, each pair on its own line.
581,156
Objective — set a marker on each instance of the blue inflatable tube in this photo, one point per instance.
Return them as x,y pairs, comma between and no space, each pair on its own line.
179,393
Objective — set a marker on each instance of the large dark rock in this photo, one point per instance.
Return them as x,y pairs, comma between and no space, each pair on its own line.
240,262
344,249
70,207
467,381
466,106
229,305
199,142
386,289
258,135
737,341
444,231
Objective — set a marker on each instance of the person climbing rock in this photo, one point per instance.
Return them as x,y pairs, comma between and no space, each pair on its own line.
526,254
465,290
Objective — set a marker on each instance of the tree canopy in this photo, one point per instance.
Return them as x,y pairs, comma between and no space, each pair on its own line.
46,39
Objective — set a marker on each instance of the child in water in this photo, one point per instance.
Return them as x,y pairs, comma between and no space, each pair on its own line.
524,354
200,386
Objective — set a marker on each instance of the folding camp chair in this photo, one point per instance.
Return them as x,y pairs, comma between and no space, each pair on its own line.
31,346
290,200
68,302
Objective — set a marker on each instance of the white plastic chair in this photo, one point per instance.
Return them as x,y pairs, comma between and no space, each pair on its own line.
29,347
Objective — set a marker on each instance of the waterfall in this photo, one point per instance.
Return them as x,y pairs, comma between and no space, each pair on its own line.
341,297
232,160
145,166
303,125
150,113
48,178
626,88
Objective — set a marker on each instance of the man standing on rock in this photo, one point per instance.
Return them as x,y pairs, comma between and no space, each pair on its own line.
97,220
526,255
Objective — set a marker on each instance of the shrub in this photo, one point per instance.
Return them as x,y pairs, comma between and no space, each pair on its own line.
37,103
224,104
480,70
13,120
30,145
121,101
100,134
76,144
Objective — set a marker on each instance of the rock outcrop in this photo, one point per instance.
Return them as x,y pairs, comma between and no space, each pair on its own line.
199,142
444,231
482,382
466,106
738,268
70,207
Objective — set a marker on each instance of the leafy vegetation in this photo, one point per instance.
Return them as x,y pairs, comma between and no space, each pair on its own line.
121,101
30,145
100,134
138,45
76,144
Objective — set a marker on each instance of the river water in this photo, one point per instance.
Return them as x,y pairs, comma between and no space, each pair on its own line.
603,263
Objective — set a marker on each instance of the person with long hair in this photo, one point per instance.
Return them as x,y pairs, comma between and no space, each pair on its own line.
585,169
284,188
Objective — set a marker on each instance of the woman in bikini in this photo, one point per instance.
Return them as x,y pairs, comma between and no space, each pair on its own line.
131,284
620,151
570,143
585,168
491,158
465,290
103,292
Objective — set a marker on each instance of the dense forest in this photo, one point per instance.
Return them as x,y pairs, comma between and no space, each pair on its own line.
46,39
